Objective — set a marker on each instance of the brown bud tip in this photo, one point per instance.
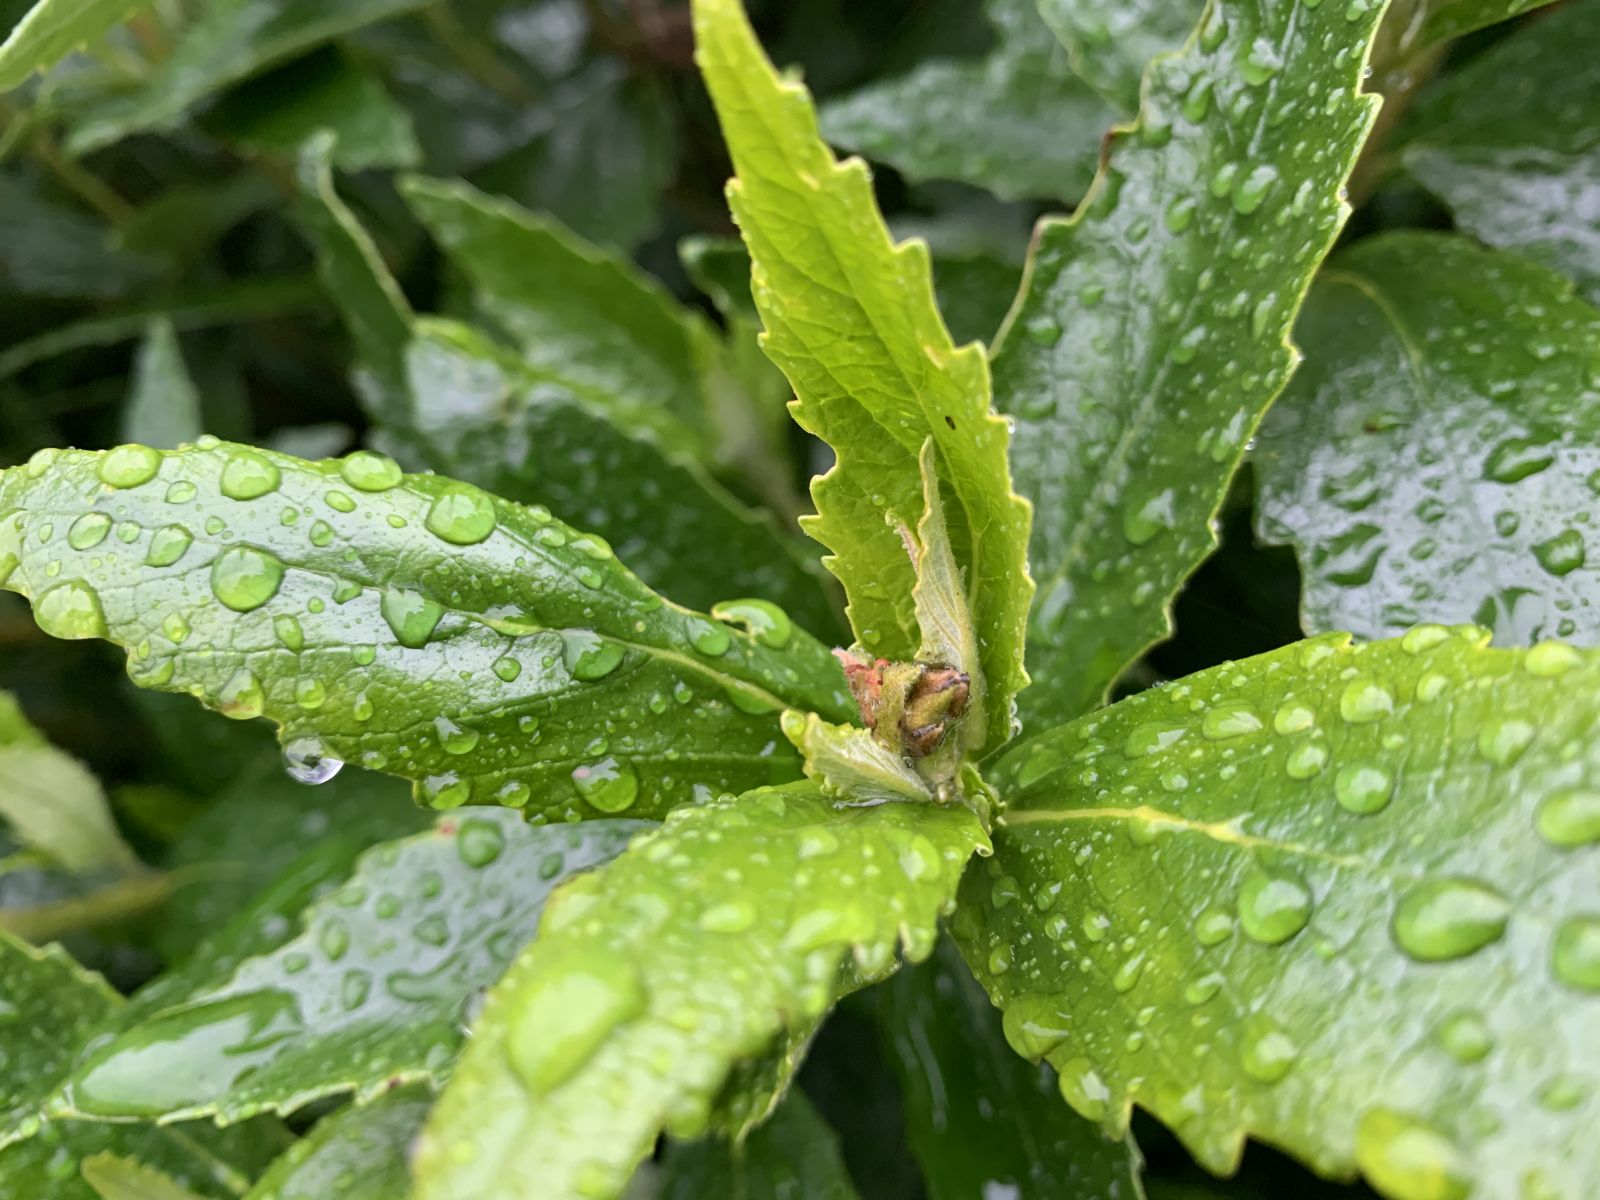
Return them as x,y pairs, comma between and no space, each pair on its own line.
865,679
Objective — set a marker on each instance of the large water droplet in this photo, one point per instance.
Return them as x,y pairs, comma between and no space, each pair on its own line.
411,616
1502,741
88,531
287,628
479,842
1575,957
1517,458
1365,700
711,640
1267,1052
1230,721
1363,788
1034,1024
1082,1087
241,697
565,1016
1547,660
70,610
167,545
1273,907
244,578
369,471
762,620
248,475
1443,919
306,760
1143,518
589,656
461,514
128,466
609,785
1465,1037
453,738
1293,717
1407,1159
1150,738
1570,817
1562,554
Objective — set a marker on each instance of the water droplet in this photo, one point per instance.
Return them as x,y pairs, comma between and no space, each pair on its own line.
1202,989
1213,927
70,610
1143,519
762,620
1293,717
453,738
1575,958
589,656
479,842
731,916
248,475
1405,1158
1307,760
1465,1037
1034,1025
564,1016
1273,907
1267,1053
176,626
1261,62
306,760
1517,458
461,515
1253,187
608,785
411,616
506,668
1364,701
1230,721
88,531
1424,638
1148,739
128,466
167,545
1126,977
287,628
1043,329
1363,788
446,790
1083,1089
244,578
711,640
310,693
1503,741
1562,554
333,939
241,697
368,471
1548,660
1570,817
1443,919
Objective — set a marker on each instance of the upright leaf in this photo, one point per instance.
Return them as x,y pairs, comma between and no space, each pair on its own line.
735,923
1438,453
1152,331
980,1120
116,1178
370,993
163,405
483,650
1016,121
1338,897
52,29
850,318
1508,142
793,1153
358,1153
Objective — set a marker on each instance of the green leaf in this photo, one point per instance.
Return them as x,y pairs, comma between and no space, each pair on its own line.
1109,45
1152,332
850,764
1338,897
52,29
53,250
484,650
735,923
792,1154
850,318
1017,121
1507,141
278,112
980,1120
163,405
486,418
1438,452
230,41
369,994
116,1178
52,803
358,1153
1452,18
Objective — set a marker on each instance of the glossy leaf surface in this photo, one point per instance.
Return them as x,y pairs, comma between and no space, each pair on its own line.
1152,330
792,1153
116,1178
980,1120
1508,142
357,1153
1017,121
851,319
484,650
1439,451
1338,897
654,977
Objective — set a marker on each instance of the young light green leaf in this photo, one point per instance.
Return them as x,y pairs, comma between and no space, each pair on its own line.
1438,452
230,41
653,977
793,1153
945,621
277,113
483,650
1507,141
369,993
851,764
1152,331
52,803
358,1153
52,29
163,405
1338,897
980,1120
1017,121
851,319
116,1178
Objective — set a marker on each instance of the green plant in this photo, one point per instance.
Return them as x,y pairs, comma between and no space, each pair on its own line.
1338,896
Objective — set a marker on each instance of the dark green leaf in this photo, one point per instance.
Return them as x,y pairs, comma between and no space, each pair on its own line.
163,406
1110,44
981,1121
52,250
1452,18
484,650
1017,121
359,1153
1152,332
1509,143
1439,451
736,922
52,29
850,317
1339,897
792,1154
